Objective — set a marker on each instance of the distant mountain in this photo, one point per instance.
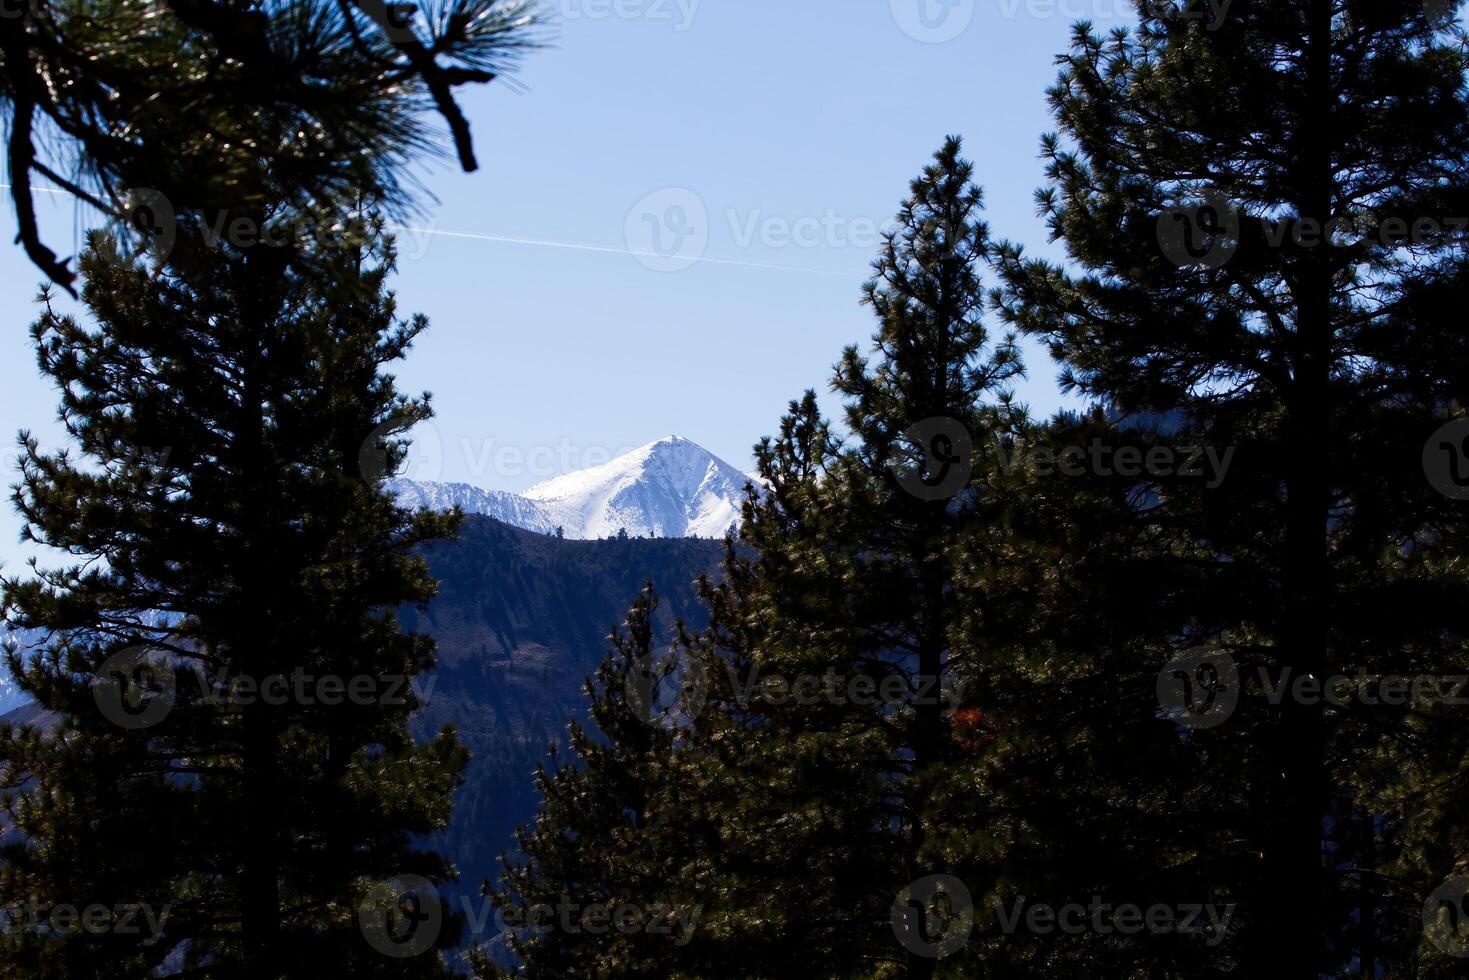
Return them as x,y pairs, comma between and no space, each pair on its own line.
26,641
511,508
672,488
11,696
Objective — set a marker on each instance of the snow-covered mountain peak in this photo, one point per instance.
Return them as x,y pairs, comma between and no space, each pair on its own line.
671,487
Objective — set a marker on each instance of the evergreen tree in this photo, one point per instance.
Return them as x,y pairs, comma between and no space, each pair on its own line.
590,893
851,587
792,769
227,684
1071,787
798,803
924,414
1261,213
211,107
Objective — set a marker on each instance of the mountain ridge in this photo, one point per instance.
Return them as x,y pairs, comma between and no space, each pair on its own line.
670,488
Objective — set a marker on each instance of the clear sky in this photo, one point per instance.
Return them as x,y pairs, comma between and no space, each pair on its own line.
762,142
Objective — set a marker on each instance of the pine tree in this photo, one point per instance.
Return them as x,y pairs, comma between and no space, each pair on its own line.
795,803
1261,214
591,893
228,684
924,415
211,107
790,775
852,582
1069,783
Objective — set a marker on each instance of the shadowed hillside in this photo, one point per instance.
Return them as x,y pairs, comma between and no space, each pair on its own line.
522,620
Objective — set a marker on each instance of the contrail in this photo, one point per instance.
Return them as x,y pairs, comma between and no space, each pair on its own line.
575,246
609,248
40,190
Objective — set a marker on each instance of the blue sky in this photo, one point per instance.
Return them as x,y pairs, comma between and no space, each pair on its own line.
763,141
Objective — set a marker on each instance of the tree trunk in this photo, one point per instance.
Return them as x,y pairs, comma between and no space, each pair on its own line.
1294,894
257,655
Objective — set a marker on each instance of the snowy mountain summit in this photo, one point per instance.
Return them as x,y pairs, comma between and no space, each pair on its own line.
672,488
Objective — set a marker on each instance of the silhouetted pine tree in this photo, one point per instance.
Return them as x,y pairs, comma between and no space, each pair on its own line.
832,650
598,888
796,800
1264,214
204,109
924,414
794,769
234,424
1070,786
